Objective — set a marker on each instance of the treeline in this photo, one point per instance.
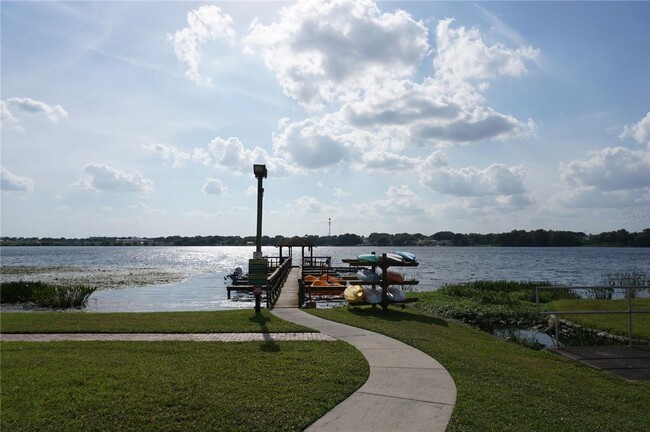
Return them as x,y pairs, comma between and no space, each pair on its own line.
514,238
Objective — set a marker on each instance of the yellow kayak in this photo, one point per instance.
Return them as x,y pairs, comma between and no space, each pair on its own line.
353,294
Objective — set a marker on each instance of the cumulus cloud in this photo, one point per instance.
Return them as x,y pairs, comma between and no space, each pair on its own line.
7,119
231,154
400,200
614,177
338,192
610,169
639,132
171,154
314,142
357,64
309,204
214,186
104,178
207,23
53,113
497,179
14,183
146,208
324,51
589,197
463,55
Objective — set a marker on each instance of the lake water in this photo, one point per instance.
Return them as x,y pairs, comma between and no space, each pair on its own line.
199,271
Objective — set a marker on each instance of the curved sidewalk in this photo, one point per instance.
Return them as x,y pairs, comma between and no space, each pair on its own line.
406,390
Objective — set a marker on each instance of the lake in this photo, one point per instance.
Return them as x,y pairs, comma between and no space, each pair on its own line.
192,278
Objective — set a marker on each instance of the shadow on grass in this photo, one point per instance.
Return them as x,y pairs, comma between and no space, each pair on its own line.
269,345
393,315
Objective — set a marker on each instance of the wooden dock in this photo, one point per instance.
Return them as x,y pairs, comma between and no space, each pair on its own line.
289,294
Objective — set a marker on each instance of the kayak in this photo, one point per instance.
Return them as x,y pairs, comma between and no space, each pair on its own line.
369,258
395,294
408,256
368,276
372,296
394,258
395,278
353,294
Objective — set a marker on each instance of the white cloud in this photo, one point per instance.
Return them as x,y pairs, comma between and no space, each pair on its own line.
463,55
386,161
309,204
400,200
640,132
314,142
231,154
338,192
214,186
610,169
14,183
7,119
322,51
104,178
51,112
497,179
207,23
590,197
170,153
146,209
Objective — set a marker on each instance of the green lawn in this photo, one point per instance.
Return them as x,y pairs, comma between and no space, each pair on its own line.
616,324
505,387
173,386
154,322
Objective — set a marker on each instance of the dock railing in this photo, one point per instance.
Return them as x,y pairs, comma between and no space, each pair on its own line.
275,281
629,293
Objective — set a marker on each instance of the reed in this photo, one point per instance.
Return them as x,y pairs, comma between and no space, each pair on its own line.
45,294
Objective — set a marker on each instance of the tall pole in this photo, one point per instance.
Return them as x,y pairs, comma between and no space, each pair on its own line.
260,174
260,196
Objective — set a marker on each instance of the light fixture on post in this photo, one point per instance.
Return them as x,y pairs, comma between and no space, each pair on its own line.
258,278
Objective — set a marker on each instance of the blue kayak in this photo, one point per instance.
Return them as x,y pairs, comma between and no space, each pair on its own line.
408,256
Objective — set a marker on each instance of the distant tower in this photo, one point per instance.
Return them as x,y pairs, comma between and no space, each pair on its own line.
329,228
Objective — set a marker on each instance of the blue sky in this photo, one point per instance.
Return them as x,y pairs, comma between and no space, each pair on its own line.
145,118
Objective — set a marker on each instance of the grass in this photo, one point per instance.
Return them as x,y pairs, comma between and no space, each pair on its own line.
506,387
153,322
616,324
174,386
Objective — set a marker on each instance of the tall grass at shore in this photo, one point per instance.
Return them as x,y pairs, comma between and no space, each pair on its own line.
491,304
45,294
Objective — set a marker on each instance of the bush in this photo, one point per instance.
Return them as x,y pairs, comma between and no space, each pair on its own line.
45,295
489,305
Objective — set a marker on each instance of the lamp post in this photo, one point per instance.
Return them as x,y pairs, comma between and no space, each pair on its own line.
260,174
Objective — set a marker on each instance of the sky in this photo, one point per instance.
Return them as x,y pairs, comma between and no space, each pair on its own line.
144,119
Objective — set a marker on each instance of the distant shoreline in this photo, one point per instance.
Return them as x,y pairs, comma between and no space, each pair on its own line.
515,238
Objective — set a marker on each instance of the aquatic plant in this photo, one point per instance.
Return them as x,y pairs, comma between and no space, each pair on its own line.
45,294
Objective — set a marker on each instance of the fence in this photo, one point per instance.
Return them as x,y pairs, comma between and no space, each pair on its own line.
629,290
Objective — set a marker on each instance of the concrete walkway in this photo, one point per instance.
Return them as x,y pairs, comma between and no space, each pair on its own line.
631,363
406,390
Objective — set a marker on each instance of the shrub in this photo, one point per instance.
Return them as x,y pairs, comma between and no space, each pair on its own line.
45,295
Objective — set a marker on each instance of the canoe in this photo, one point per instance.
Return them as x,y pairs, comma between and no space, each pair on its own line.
367,275
330,278
369,258
395,294
353,294
372,296
408,256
